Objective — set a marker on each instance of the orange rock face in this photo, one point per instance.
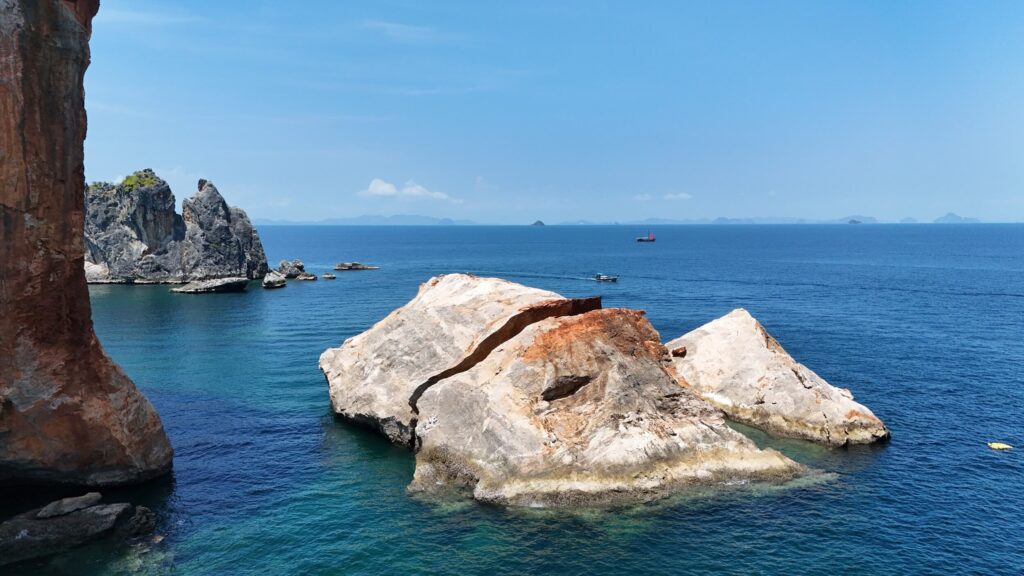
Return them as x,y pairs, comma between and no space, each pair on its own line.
67,413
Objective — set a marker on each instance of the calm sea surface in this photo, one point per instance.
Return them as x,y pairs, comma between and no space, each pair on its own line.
925,324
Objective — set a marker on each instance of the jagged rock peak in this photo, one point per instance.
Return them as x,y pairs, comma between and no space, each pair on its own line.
133,234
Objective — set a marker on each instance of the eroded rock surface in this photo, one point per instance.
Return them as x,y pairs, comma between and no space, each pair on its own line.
67,413
579,409
453,322
735,365
133,234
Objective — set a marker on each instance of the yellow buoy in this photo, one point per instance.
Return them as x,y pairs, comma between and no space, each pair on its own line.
999,446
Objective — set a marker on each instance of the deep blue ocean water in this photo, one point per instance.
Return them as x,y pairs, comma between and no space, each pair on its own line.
925,324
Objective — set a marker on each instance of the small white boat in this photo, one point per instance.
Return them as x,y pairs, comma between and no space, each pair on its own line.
605,278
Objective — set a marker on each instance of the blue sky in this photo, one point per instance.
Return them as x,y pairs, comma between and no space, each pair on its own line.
509,112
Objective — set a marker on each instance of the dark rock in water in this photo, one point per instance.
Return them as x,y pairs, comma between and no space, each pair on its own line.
69,505
291,269
274,280
349,266
215,286
133,235
33,535
68,415
141,523
537,223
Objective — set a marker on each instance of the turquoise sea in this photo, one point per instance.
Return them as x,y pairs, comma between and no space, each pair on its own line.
924,323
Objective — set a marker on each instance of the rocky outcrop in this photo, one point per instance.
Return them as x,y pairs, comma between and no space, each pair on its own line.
354,266
291,269
133,234
526,398
215,286
274,280
735,365
454,321
578,410
67,413
67,524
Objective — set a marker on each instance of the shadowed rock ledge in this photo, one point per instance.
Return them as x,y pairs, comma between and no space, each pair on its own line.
734,364
67,413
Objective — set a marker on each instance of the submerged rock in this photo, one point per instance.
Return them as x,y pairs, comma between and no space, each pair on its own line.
291,269
526,398
274,280
734,364
133,234
579,410
68,414
218,285
67,524
454,321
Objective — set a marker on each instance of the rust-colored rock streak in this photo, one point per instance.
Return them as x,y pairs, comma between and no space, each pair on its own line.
67,413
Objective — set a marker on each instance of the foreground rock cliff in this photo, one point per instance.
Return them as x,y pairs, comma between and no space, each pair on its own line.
67,413
525,397
734,364
133,235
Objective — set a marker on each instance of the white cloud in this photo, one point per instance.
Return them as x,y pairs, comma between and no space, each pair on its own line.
379,187
642,197
383,188
678,196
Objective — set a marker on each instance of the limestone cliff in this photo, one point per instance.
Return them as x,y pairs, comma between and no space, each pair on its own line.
133,234
67,413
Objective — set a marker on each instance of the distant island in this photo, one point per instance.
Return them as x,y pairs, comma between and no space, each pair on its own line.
371,220
419,220
951,218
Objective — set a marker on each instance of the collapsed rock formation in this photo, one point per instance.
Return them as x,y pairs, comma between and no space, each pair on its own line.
133,234
67,524
526,397
67,413
579,410
735,365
